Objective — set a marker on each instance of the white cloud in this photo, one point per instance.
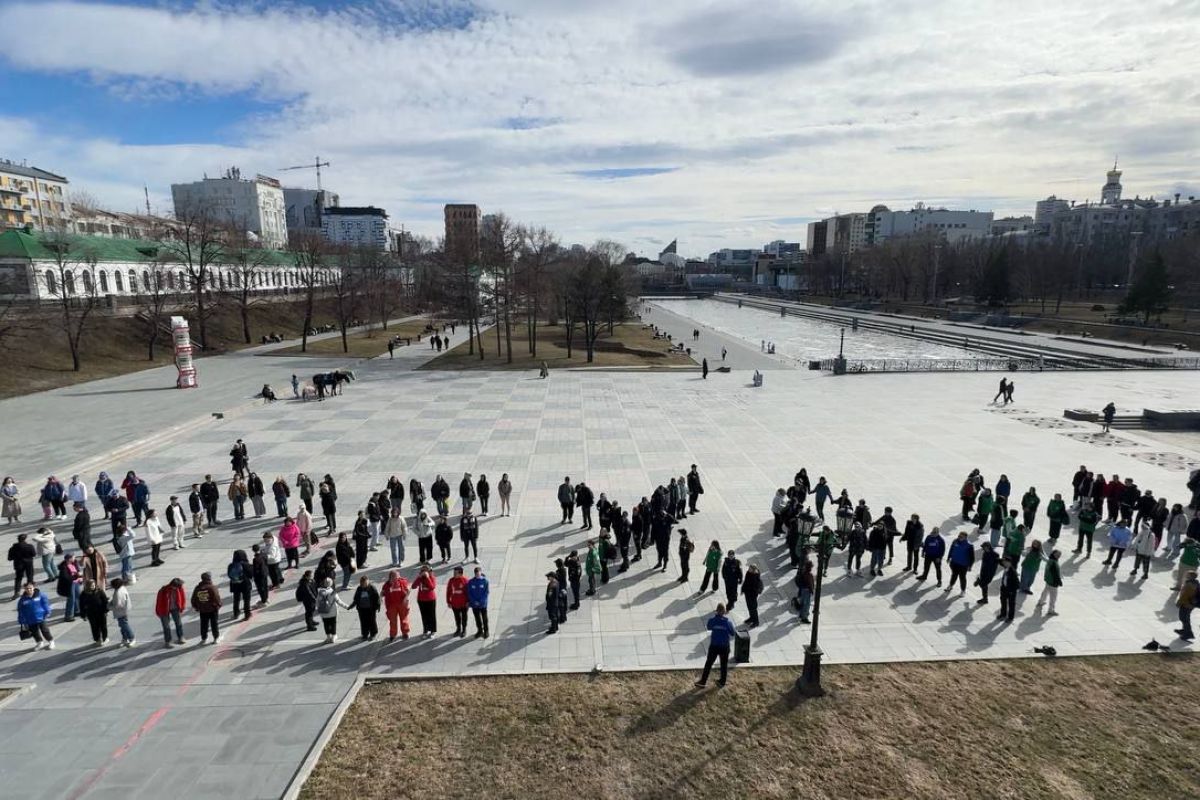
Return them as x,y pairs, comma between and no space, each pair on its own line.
771,110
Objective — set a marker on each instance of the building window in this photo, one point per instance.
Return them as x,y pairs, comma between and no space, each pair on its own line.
87,283
146,281
51,284
133,281
103,281
117,281
69,282
171,281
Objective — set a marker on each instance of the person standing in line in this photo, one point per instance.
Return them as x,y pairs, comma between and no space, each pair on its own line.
591,565
274,554
69,584
10,497
374,519
238,494
504,489
1029,506
261,574
483,491
914,537
1054,582
395,604
1176,526
712,567
778,504
989,562
426,585
607,553
731,573
46,544
304,485
694,488
439,491
1014,543
104,487
362,540
397,532
366,603
856,546
289,539
328,507
255,492
281,492
327,606
154,536
585,500
344,552
466,493
574,576
206,599
169,605
1031,565
686,548
306,596
125,550
141,500
77,492
1119,537
933,549
567,500
1186,602
961,559
967,495
240,574
1088,518
456,599
752,587
93,606
304,524
416,496
175,521
121,605
1009,583
210,495
1057,515
33,609
424,530
196,506
805,586
877,542
553,604
118,510
722,633
81,528
1143,550
468,531
660,530
444,535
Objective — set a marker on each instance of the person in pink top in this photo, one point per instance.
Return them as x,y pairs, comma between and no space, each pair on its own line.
395,603
289,540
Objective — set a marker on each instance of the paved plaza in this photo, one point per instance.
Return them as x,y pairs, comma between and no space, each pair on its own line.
238,719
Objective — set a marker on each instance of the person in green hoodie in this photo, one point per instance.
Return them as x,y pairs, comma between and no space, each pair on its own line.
591,565
1030,566
1029,505
1056,513
1053,576
983,509
712,567
1189,561
1088,517
1014,540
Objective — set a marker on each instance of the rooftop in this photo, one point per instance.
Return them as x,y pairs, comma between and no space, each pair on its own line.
20,244
29,172
355,211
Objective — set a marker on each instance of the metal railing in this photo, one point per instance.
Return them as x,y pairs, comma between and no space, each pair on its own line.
1004,364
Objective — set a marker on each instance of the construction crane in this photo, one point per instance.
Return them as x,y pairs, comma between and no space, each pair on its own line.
317,164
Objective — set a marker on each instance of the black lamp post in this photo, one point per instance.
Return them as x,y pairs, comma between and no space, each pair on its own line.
809,683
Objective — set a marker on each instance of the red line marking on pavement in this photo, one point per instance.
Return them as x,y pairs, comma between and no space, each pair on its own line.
145,728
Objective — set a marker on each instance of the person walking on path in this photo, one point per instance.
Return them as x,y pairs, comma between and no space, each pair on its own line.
121,605
933,549
961,558
694,488
33,610
1054,582
1009,583
722,633
206,599
169,605
566,499
366,603
1185,602
731,573
93,605
712,567
1003,392
478,590
306,596
395,604
327,606
752,587
1109,412
704,368
504,489
426,586
989,562
1030,566
1119,537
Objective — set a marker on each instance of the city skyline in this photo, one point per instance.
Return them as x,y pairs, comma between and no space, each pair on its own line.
722,127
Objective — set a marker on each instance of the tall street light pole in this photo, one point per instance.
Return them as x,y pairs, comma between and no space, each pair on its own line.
809,682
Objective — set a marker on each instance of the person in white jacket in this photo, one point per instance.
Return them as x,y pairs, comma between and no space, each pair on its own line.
273,552
304,523
1177,525
175,519
121,605
396,532
425,529
126,551
46,543
327,606
778,503
154,535
76,491
1143,549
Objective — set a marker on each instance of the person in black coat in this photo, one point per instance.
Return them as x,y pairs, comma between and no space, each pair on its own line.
306,595
21,553
81,528
344,552
1009,583
914,535
731,574
362,540
468,531
366,602
752,587
623,529
989,562
585,500
210,495
695,488
261,572
483,491
661,532
877,542
439,490
604,512
574,576
118,510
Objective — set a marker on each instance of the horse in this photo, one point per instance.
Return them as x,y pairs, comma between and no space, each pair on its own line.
331,381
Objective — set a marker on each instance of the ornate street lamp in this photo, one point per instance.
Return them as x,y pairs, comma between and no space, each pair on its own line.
805,522
809,682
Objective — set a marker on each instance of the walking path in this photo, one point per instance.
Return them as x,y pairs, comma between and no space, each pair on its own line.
239,718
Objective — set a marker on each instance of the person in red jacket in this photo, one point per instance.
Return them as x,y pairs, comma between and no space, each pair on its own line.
456,598
169,606
426,585
395,603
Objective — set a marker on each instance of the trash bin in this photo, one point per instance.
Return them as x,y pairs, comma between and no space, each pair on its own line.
741,645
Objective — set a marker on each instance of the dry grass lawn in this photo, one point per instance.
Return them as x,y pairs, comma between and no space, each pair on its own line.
629,345
1112,727
367,344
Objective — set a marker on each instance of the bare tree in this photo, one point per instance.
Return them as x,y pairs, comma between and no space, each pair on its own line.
74,272
153,303
501,243
247,260
197,242
541,251
310,253
347,293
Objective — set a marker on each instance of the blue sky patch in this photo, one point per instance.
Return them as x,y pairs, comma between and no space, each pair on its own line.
617,173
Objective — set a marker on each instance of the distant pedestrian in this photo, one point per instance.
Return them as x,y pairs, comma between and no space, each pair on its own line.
327,606
121,605
723,353
722,633
1109,412
1186,602
1009,584
712,567
206,600
1002,393
33,613
1008,393
366,603
752,587
169,605
704,368
426,585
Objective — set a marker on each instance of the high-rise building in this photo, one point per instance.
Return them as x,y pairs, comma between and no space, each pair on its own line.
356,226
463,222
32,196
303,208
948,224
846,233
255,206
1045,210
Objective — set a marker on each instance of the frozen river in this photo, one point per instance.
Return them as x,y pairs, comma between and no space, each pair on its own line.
801,340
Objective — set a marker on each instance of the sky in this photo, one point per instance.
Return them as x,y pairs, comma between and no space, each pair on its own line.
719,124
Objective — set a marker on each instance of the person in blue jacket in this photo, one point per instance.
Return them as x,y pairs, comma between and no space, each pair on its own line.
104,487
141,502
961,558
33,609
477,599
723,632
933,549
